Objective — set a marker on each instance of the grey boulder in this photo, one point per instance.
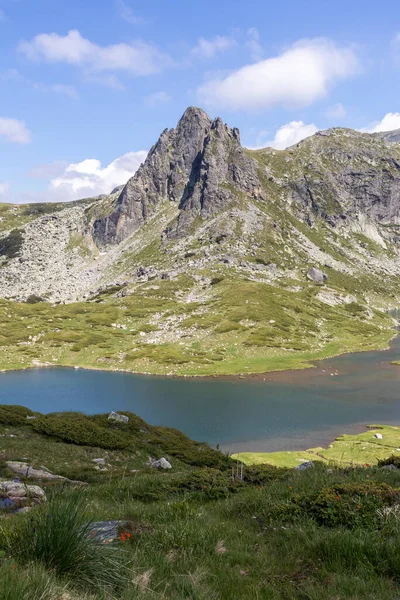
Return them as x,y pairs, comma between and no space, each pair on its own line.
317,276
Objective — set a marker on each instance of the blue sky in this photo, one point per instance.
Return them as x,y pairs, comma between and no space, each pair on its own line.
87,86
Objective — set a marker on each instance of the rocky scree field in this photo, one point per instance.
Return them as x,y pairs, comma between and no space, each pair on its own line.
212,259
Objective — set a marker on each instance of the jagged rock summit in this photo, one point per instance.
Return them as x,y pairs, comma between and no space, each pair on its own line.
192,166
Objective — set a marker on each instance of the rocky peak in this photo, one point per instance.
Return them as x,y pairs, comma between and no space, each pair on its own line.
200,165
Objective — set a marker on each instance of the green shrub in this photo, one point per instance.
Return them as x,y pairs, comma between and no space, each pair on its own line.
79,429
34,299
262,474
211,484
13,414
57,535
11,245
350,505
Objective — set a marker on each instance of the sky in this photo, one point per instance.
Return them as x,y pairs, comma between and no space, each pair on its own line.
86,87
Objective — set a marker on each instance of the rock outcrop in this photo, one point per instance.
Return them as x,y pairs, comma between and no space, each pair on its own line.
195,166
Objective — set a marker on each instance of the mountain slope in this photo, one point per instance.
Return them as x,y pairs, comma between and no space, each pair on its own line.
208,260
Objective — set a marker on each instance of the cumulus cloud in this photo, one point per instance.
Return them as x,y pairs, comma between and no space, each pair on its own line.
14,130
210,48
89,178
4,188
389,122
286,135
137,58
157,98
297,77
337,111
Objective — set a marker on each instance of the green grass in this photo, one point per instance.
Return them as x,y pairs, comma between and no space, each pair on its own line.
197,532
350,450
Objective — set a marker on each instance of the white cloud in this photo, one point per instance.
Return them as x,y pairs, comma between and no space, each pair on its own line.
287,135
157,98
209,48
138,58
127,14
337,111
297,77
253,44
389,122
4,188
89,178
14,131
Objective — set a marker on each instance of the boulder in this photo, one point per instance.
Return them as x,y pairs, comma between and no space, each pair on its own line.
378,436
317,276
305,465
43,473
24,469
15,495
99,461
389,468
117,418
162,463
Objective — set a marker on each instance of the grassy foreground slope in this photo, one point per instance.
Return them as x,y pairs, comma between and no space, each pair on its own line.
197,531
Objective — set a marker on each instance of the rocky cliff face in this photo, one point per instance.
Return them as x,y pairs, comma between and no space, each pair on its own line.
193,166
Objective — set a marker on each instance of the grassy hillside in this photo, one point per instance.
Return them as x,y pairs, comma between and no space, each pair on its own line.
228,326
198,531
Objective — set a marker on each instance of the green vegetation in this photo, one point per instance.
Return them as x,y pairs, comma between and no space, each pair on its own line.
200,530
350,450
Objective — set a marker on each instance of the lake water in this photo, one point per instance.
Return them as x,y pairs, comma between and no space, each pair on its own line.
290,410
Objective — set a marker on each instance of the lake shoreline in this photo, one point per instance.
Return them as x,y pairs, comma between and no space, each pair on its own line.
251,376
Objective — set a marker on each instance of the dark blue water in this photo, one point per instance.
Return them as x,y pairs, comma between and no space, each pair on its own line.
291,410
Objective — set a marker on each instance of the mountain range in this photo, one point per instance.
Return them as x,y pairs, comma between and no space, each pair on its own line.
213,258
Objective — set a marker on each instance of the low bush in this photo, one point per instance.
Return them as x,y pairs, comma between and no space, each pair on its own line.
79,429
13,414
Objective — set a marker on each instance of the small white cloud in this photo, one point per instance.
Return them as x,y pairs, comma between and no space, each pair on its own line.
157,98
210,48
389,122
337,111
253,44
297,77
14,131
287,135
4,188
89,178
137,58
127,14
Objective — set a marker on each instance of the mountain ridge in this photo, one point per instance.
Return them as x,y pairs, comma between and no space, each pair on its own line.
203,230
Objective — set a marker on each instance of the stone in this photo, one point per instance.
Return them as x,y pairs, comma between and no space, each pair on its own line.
162,463
378,436
317,276
105,531
117,418
305,465
26,470
14,495
389,468
99,461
